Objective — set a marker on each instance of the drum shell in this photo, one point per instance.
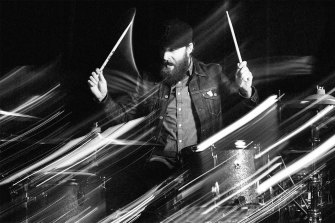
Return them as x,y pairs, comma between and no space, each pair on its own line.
237,166
60,197
228,167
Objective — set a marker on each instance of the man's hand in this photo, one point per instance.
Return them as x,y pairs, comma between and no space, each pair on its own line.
98,84
243,79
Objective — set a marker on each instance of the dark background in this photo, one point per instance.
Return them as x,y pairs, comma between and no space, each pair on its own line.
80,34
83,32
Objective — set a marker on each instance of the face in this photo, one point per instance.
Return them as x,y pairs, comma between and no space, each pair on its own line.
175,63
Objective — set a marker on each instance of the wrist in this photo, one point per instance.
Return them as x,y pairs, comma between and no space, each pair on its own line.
101,99
245,92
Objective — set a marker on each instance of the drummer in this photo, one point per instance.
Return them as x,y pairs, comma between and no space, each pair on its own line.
191,101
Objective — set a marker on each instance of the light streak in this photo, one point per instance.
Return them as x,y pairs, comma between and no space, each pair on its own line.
317,117
238,124
303,162
243,188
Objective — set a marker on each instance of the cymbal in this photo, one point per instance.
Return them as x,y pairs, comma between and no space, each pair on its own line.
321,97
314,100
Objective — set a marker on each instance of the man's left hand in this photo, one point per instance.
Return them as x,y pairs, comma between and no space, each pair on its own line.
243,79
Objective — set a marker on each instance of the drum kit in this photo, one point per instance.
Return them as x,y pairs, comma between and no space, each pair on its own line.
58,196
218,185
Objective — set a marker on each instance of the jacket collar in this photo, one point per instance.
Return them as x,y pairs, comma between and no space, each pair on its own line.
197,70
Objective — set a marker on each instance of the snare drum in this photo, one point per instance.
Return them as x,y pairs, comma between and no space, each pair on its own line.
224,169
60,197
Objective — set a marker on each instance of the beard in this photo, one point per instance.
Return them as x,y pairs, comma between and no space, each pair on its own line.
171,77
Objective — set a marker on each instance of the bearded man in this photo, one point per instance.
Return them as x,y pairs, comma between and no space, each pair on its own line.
190,102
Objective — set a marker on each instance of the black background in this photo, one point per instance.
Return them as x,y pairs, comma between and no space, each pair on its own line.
83,32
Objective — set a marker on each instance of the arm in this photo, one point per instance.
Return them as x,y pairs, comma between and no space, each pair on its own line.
243,79
241,96
117,111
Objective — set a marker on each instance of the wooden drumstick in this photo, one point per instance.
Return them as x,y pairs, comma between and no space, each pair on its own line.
117,44
234,38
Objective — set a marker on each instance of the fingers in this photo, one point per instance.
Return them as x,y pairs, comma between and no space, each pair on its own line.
242,64
90,83
99,74
246,75
243,71
95,77
243,75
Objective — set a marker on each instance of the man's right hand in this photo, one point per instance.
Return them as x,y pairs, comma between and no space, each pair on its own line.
98,84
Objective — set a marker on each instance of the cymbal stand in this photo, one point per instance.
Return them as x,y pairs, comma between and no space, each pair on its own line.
215,189
96,130
315,184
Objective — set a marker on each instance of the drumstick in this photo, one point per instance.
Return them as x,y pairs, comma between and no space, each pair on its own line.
234,38
116,45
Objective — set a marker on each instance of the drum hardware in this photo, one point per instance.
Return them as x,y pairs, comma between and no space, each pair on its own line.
291,209
214,156
300,206
315,199
280,106
282,199
96,130
70,195
315,103
216,192
305,203
215,189
314,184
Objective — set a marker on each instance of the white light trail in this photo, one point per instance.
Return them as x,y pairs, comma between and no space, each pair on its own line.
238,124
317,117
305,161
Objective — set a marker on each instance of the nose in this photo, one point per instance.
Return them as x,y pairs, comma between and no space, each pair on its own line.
167,55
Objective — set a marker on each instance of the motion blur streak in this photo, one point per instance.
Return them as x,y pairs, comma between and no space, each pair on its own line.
134,209
317,117
36,165
272,168
313,156
34,103
238,124
281,67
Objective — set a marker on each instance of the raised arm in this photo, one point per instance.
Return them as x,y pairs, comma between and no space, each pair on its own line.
243,79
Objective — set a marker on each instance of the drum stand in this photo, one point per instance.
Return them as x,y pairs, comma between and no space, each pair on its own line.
315,185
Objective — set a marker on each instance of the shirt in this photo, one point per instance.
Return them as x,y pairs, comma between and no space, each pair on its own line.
179,125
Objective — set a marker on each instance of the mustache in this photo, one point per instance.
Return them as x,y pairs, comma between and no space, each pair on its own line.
166,63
